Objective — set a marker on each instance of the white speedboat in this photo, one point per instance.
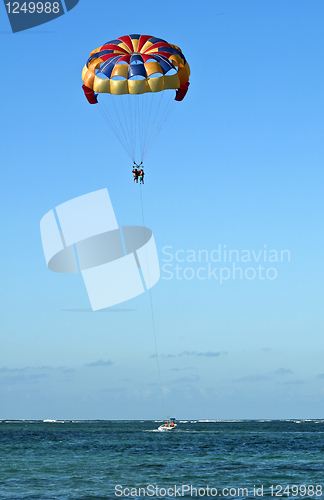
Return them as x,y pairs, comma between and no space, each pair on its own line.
169,425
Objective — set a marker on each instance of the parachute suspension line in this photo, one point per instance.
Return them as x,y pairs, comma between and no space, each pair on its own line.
111,124
152,314
135,107
122,128
168,110
113,127
152,126
132,127
142,119
139,120
128,133
164,117
149,99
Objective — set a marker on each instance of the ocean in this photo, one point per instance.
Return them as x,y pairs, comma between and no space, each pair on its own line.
96,460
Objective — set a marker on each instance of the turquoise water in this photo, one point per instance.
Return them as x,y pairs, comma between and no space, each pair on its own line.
87,460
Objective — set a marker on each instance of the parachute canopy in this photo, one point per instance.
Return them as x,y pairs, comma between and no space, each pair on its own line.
135,64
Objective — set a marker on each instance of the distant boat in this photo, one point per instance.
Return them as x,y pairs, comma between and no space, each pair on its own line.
169,425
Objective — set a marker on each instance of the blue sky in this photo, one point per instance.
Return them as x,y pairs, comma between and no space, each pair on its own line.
239,163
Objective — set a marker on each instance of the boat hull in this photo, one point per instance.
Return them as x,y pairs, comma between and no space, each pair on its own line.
168,428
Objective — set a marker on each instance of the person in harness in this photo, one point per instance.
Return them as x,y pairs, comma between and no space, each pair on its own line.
141,176
135,173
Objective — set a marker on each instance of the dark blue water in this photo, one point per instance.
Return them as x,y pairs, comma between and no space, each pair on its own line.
107,459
